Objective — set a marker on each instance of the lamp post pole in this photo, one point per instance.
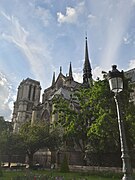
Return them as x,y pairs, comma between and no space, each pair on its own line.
127,170
116,85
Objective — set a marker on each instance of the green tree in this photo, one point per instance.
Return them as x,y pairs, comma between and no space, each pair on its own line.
55,138
103,132
11,144
35,137
92,122
75,118
2,128
5,125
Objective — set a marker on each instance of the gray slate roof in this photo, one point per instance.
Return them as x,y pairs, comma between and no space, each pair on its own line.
64,92
130,74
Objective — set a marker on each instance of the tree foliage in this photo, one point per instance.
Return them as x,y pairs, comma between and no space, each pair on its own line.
55,138
37,136
10,143
5,125
72,121
34,137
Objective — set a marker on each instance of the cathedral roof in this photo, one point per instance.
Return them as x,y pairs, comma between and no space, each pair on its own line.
62,91
29,80
60,76
130,74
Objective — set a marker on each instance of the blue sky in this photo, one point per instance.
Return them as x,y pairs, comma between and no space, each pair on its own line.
39,36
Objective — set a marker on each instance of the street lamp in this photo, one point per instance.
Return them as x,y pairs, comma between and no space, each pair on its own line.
116,85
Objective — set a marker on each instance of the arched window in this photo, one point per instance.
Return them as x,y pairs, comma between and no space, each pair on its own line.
45,116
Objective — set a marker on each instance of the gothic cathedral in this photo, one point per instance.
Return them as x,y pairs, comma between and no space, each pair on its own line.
28,106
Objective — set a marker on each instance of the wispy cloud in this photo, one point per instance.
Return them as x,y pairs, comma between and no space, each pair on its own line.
6,16
92,20
44,15
35,50
115,30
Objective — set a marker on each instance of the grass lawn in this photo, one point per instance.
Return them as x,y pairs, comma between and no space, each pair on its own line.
52,174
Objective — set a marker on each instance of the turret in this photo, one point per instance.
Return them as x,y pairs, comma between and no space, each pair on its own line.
53,80
70,73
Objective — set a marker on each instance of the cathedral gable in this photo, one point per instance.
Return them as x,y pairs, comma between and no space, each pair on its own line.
60,81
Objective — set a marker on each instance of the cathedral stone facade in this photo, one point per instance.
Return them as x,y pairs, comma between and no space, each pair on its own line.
28,106
131,76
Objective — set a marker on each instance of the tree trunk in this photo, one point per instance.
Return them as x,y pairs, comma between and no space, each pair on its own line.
9,160
30,161
84,156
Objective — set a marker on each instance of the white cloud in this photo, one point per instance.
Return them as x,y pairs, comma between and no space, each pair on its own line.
131,64
126,41
78,76
6,98
97,73
71,15
91,17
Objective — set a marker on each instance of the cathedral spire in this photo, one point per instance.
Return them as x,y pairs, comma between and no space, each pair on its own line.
70,72
53,80
60,69
87,75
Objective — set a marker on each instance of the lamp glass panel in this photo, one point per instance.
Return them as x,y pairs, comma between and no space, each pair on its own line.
116,84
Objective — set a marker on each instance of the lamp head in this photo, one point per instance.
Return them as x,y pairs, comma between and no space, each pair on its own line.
115,79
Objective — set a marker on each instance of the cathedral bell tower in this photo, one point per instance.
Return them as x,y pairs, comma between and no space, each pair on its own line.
28,96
